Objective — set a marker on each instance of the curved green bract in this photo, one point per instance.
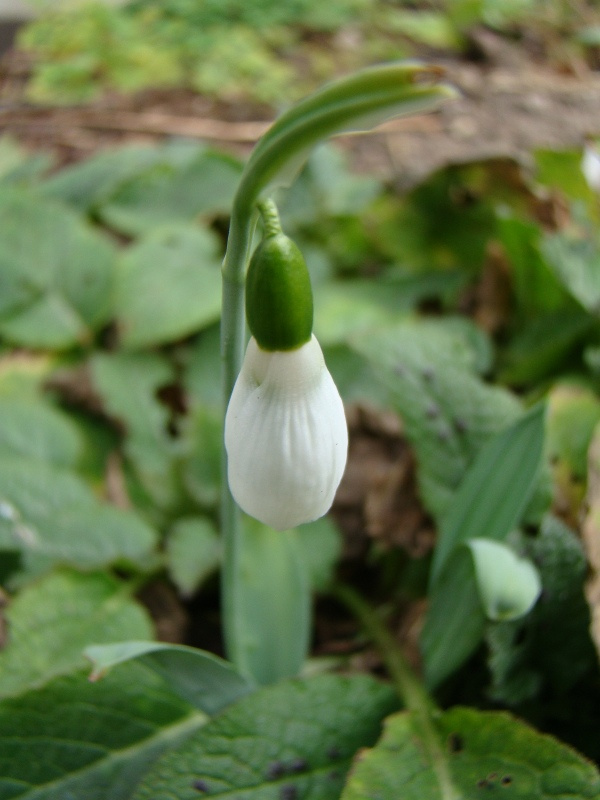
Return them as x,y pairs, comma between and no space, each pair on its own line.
279,303
356,103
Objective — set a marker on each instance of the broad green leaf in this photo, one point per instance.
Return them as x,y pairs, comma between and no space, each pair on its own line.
48,513
128,384
167,286
200,678
508,585
202,368
17,166
201,472
193,552
545,345
164,195
74,739
273,604
573,412
575,258
55,273
295,739
480,754
87,184
37,430
495,490
448,412
536,287
551,649
51,621
561,169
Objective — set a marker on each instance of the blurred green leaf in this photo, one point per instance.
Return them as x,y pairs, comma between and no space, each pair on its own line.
201,470
55,273
561,169
193,552
320,545
545,345
575,258
488,504
273,617
550,650
128,384
50,516
35,429
573,412
537,289
449,413
89,183
201,679
479,752
167,194
74,739
496,488
293,739
455,622
51,621
167,286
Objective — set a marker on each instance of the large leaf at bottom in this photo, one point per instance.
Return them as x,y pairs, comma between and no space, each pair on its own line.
480,754
292,740
50,623
76,740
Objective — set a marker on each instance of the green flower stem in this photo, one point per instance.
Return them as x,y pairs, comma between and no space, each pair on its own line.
410,690
358,102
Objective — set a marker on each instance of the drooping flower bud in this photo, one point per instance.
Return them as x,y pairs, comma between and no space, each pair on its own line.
285,430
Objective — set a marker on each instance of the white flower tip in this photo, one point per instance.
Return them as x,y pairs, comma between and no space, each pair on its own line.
590,166
286,436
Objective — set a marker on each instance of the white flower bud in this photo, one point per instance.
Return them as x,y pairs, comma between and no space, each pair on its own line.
590,166
286,436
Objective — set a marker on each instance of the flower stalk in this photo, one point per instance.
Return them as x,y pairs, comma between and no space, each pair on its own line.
358,102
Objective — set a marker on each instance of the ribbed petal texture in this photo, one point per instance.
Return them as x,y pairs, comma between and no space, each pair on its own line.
286,436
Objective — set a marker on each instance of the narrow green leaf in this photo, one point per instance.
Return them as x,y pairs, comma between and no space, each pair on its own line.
455,621
485,753
508,585
50,622
273,611
74,739
295,739
496,489
203,680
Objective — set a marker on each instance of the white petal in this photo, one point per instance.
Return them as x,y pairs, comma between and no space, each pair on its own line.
286,436
590,166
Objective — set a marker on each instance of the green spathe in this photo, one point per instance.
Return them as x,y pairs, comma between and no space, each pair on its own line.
279,304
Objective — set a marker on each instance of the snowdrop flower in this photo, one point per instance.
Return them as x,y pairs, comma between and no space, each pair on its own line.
286,436
285,430
590,166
